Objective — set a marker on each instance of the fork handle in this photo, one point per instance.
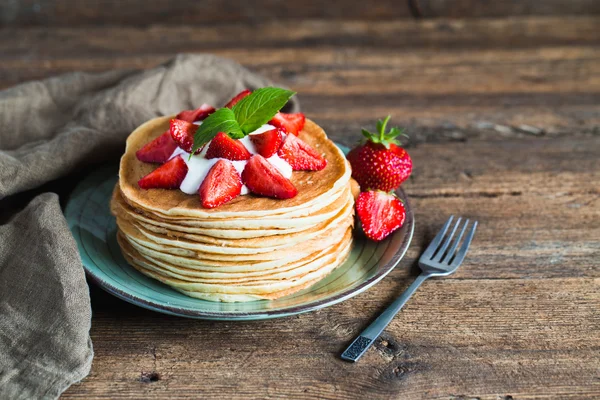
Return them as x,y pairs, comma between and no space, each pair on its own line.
360,345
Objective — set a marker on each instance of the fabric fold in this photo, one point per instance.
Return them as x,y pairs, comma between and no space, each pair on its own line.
51,129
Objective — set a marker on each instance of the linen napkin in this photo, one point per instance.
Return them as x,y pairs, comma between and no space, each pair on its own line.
51,129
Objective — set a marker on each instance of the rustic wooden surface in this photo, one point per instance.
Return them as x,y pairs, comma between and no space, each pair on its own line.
504,116
60,13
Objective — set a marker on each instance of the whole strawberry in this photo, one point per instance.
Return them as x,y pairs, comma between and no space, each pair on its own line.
379,163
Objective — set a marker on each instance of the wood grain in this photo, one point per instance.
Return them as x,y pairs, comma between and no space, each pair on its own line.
504,8
518,319
62,13
439,73
504,122
525,338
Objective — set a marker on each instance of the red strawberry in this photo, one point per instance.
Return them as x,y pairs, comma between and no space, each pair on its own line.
300,155
237,98
222,146
182,133
198,114
380,213
379,162
221,185
290,123
263,178
159,150
167,176
267,143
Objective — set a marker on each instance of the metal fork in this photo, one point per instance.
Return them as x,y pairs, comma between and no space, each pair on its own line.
435,261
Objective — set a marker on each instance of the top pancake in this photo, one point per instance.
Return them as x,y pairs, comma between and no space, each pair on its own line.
315,188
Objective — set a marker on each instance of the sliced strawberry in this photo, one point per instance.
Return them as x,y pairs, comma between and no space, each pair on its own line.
380,213
237,98
222,146
263,178
221,185
182,133
198,114
157,151
167,176
290,123
267,143
300,155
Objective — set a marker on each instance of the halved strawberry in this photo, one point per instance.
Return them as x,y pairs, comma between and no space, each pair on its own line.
222,146
380,213
267,143
198,114
221,185
182,133
167,176
290,123
159,150
263,178
300,155
237,98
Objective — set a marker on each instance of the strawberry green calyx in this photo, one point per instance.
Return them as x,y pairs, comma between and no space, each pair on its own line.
383,137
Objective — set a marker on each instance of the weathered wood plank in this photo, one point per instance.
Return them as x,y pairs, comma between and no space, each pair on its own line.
207,12
518,319
142,13
398,34
522,338
512,73
537,200
504,8
503,117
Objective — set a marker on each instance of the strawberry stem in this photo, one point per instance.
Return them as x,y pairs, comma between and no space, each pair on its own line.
381,136
382,129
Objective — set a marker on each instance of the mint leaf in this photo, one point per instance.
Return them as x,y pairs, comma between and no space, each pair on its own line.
258,108
222,120
246,116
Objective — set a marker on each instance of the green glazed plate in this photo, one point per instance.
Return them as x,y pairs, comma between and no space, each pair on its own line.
94,228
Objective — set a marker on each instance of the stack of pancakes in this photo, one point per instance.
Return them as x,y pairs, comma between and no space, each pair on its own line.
250,248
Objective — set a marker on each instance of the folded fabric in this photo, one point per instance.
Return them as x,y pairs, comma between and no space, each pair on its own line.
50,129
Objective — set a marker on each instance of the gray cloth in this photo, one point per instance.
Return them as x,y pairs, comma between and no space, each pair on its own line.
50,129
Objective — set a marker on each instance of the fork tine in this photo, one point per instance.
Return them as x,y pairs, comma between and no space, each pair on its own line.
442,250
460,255
428,253
450,252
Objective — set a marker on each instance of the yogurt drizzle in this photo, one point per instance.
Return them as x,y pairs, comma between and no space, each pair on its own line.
199,165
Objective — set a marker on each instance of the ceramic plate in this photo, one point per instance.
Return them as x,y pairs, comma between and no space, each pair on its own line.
94,228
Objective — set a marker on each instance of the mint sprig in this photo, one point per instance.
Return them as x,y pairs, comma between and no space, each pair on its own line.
259,107
249,114
222,120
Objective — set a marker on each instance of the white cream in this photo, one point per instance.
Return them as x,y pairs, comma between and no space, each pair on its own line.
199,165
281,165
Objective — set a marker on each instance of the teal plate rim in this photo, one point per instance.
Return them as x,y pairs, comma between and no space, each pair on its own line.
103,280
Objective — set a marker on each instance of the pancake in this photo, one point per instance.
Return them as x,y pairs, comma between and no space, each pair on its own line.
256,290
195,250
255,267
257,242
314,187
225,270
234,227
281,272
248,249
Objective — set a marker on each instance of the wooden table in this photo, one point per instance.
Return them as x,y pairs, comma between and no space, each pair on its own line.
504,119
